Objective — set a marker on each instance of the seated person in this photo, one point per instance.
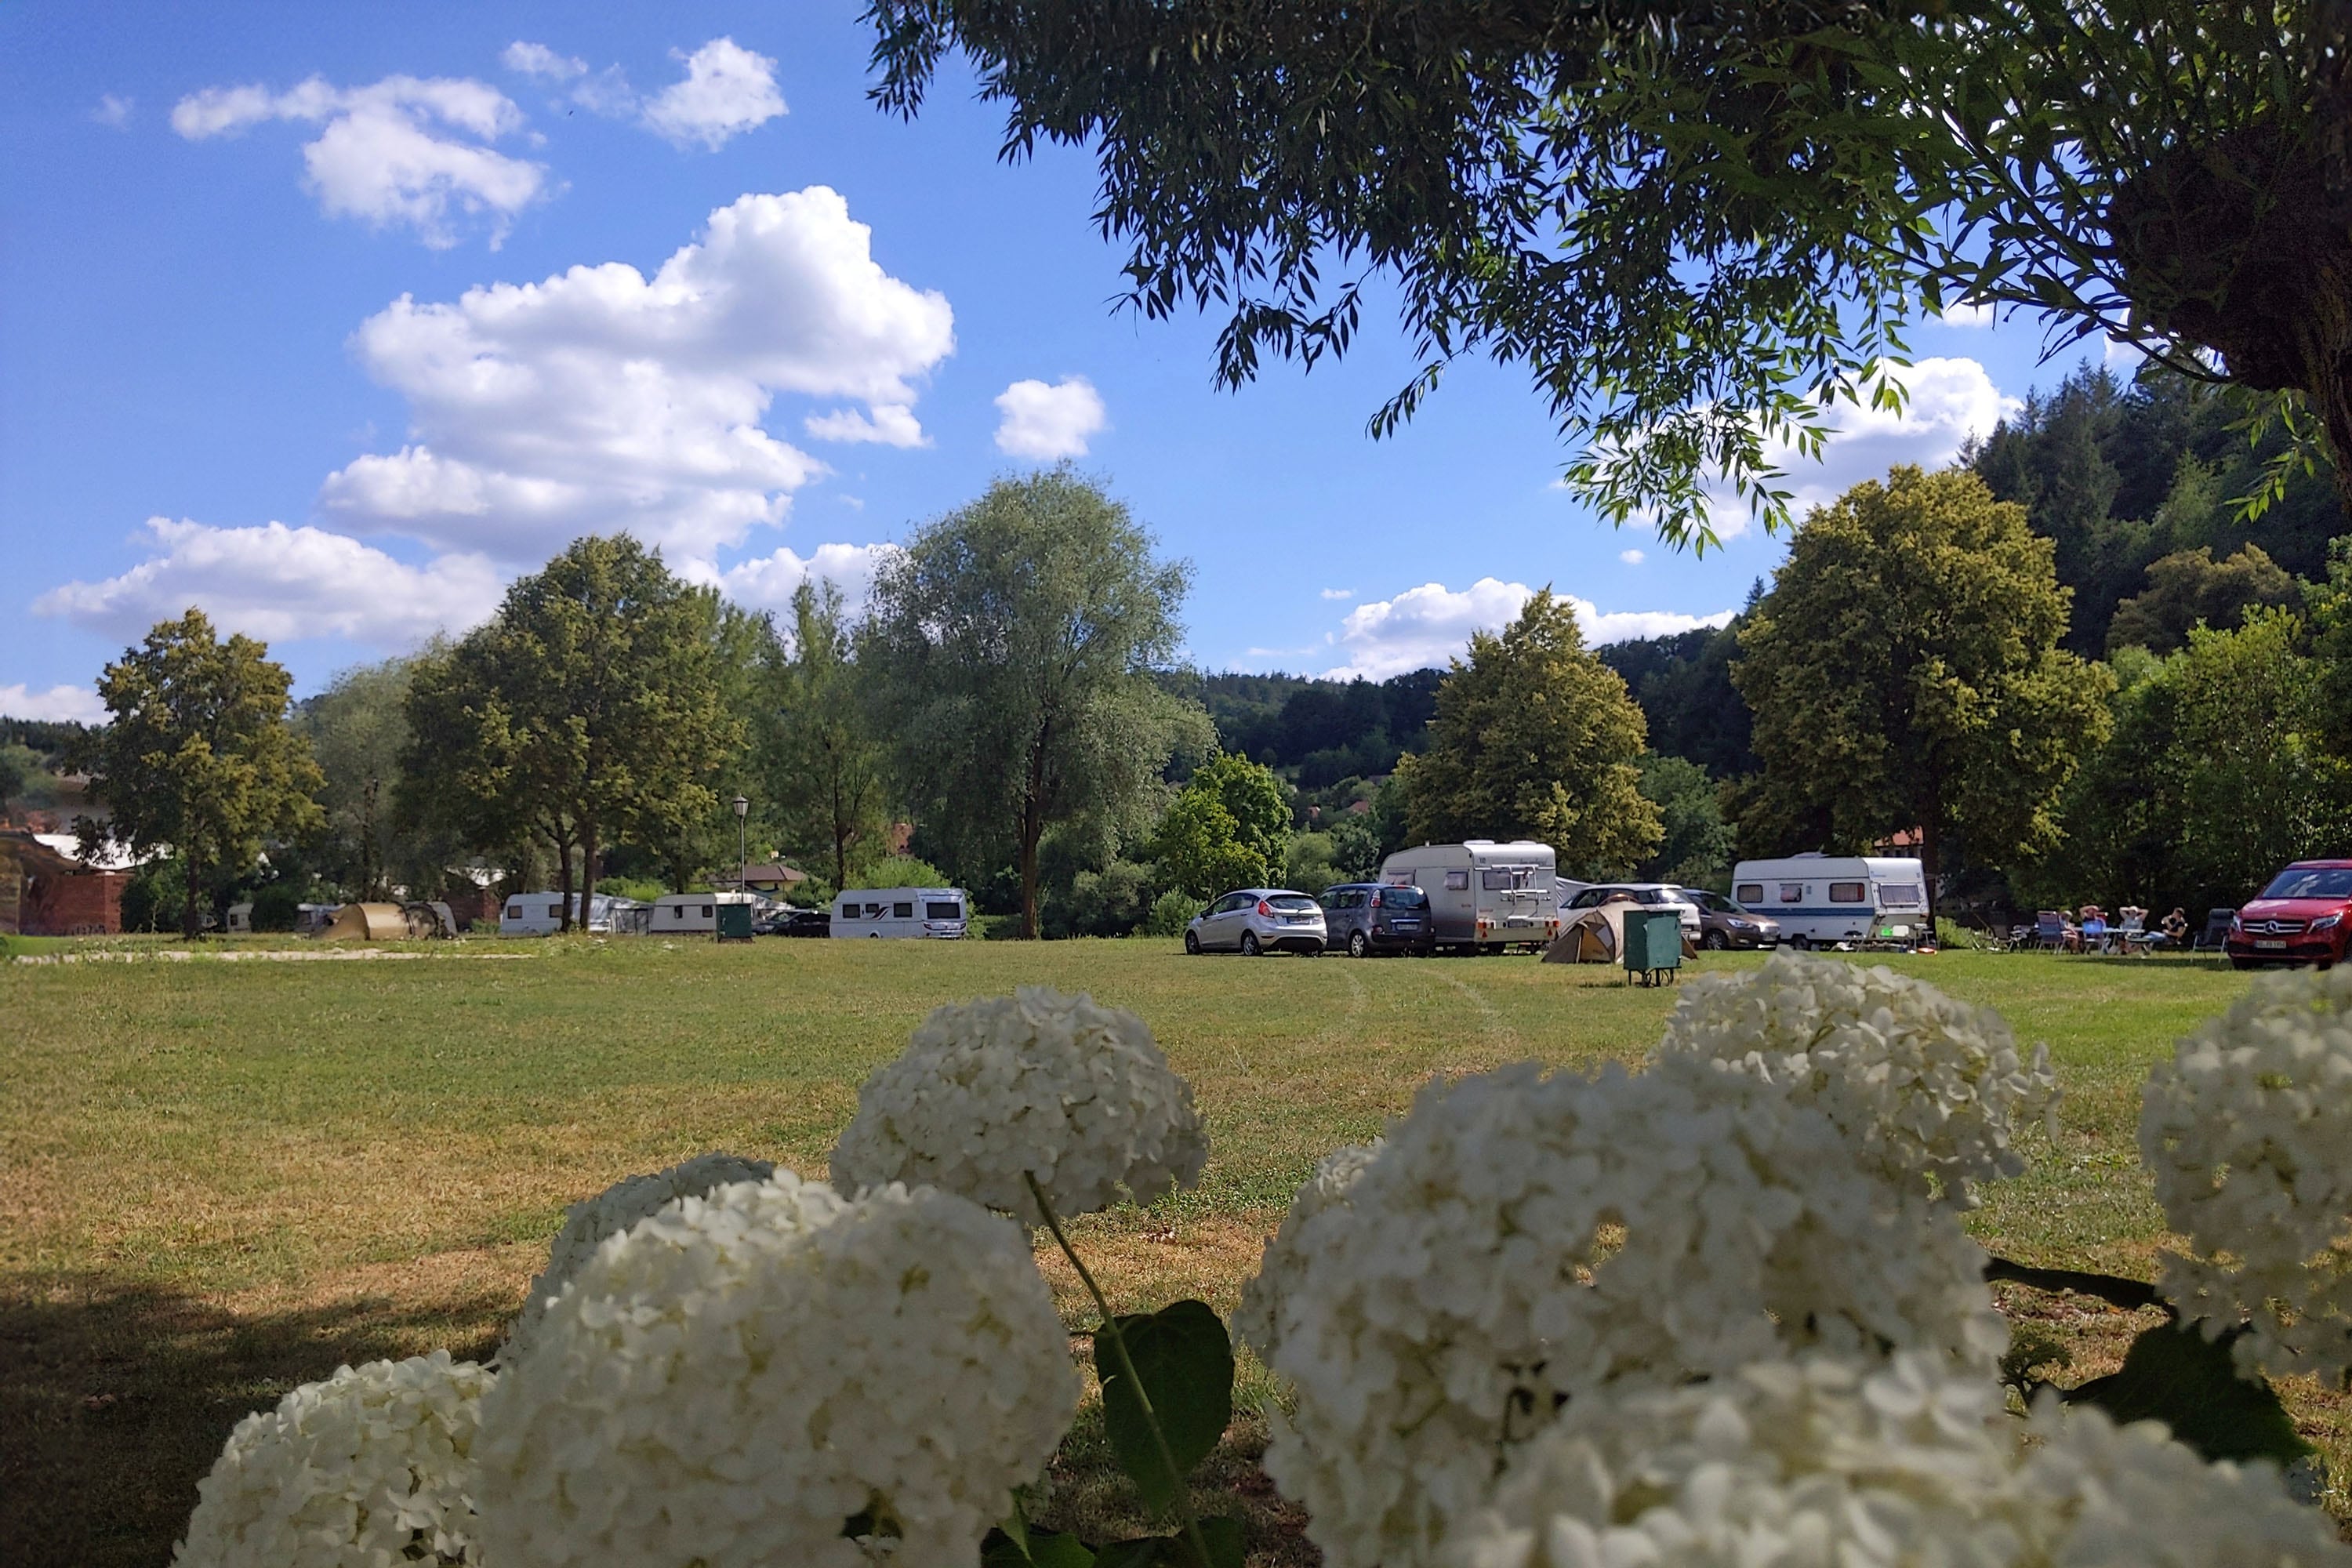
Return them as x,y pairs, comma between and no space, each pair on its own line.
2095,929
2176,926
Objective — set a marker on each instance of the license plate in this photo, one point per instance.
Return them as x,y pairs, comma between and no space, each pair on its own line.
1294,919
2265,943
1406,925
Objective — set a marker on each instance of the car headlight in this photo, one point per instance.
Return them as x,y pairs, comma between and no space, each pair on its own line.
2236,924
2328,922
1739,925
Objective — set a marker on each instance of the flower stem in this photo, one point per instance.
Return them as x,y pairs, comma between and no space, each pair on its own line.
1193,1536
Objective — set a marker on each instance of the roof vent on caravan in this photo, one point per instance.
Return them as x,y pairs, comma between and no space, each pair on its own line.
1478,841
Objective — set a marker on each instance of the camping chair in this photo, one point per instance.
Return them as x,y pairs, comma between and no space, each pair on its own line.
2216,932
2050,929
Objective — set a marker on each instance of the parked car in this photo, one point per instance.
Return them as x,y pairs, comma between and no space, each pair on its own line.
2304,916
1259,919
1725,922
1366,918
788,922
1652,895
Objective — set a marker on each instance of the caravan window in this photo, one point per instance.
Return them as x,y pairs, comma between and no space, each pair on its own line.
1900,895
1792,893
1749,892
905,911
848,911
937,910
1458,882
1849,893
873,911
706,911
514,911
555,911
1500,879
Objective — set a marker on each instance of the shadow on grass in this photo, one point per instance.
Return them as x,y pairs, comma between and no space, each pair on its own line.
115,1400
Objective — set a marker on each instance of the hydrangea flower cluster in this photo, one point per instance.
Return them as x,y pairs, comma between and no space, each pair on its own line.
586,1223
1928,1086
739,1374
1258,1319
2248,1131
1522,1242
372,1466
1820,1461
1038,1082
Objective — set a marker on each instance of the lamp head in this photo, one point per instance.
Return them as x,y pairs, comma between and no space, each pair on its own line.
742,806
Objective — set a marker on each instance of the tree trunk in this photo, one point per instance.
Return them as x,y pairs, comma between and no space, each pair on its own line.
564,880
1030,833
1931,850
587,870
188,928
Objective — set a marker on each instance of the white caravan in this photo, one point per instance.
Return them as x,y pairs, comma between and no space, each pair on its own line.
1820,899
943,913
1483,895
542,914
691,914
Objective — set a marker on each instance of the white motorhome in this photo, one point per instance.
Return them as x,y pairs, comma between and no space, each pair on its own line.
691,914
1483,895
1821,900
542,914
943,913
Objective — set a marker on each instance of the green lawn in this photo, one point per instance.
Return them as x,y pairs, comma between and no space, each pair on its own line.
222,1178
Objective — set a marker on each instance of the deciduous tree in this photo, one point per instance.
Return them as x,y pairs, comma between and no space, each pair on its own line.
1904,673
820,754
2189,587
196,756
1011,646
587,707
1536,738
1228,827
1686,218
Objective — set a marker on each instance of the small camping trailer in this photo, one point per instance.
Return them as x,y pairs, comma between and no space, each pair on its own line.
691,914
1824,899
1483,895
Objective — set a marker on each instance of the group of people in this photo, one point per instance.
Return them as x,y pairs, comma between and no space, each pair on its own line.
2089,931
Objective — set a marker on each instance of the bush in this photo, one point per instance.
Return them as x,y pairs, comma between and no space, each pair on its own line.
1171,912
900,871
152,899
645,889
277,907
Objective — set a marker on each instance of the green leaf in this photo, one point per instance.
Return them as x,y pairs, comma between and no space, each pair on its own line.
2178,1376
1223,1537
1026,1548
1185,1360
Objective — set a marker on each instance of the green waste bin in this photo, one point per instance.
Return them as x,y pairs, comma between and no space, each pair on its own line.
1654,947
735,921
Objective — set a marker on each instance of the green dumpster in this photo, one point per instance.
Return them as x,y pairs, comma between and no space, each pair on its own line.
735,920
1654,947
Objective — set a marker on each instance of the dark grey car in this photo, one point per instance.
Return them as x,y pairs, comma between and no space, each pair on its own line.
1366,918
1724,922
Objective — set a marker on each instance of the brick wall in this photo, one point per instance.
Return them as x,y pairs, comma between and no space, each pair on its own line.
73,904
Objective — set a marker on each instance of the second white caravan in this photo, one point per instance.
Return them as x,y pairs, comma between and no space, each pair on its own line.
1821,900
943,913
1481,894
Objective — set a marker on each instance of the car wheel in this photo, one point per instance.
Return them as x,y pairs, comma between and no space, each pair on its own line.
1249,945
1192,943
1357,946
1713,941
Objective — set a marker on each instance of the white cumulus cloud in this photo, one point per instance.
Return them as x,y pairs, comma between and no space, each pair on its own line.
727,90
768,582
1632,557
1338,593
1951,400
278,584
891,423
1960,315
1048,423
542,63
600,399
606,92
114,111
403,152
1431,623
56,704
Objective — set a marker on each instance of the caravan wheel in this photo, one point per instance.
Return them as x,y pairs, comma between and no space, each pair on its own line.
1801,942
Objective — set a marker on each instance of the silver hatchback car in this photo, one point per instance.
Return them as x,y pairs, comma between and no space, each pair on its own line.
1259,919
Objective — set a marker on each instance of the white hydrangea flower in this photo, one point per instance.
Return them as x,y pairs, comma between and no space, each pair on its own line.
1824,1463
1037,1082
2248,1131
373,1466
586,1223
732,1379
1523,1241
1258,1319
2096,1495
1930,1087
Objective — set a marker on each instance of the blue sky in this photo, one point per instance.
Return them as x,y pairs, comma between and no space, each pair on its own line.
333,319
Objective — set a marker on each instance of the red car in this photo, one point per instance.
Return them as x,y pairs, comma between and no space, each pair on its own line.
2304,916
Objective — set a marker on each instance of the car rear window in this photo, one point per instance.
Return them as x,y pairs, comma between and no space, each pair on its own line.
1291,903
1404,898
2315,882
